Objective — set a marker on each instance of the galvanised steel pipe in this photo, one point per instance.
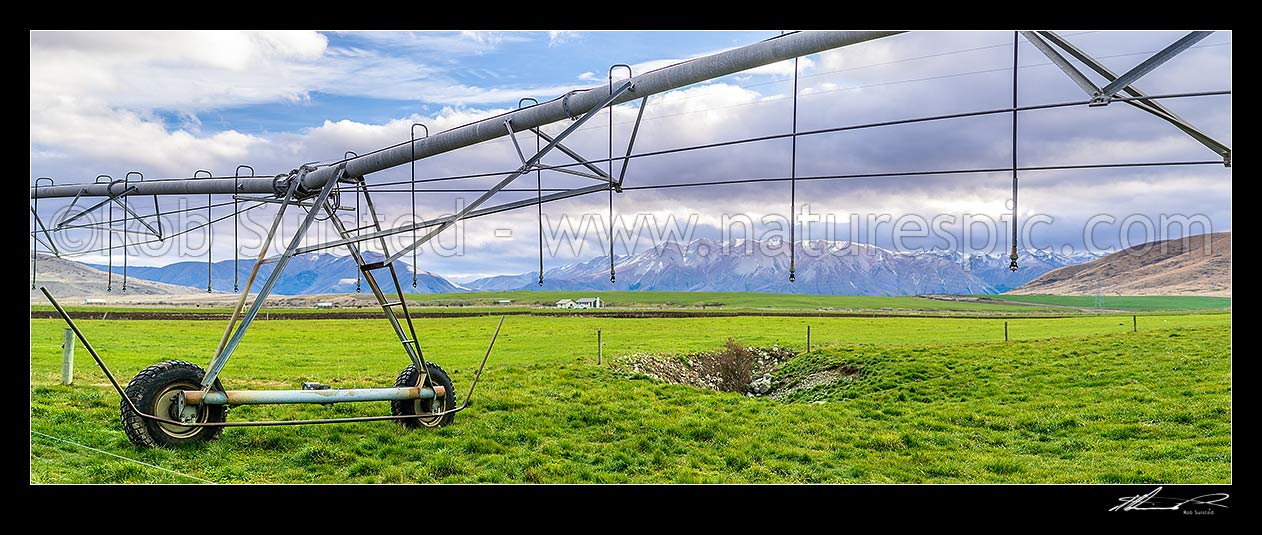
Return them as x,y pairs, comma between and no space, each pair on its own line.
278,397
167,187
573,104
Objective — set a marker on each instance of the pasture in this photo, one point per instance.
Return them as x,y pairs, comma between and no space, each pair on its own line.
939,399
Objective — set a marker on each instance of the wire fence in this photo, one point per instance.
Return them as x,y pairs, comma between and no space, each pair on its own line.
117,456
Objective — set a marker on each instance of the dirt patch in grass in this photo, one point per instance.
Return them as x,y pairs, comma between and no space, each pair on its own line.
845,373
735,368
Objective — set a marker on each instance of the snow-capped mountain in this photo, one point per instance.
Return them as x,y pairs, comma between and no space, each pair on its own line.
993,267
305,274
821,267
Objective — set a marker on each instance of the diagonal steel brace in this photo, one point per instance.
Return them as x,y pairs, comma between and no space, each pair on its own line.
228,345
47,236
1148,65
1060,61
600,173
525,167
1150,106
104,202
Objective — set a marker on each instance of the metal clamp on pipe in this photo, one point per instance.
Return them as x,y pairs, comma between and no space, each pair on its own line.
565,104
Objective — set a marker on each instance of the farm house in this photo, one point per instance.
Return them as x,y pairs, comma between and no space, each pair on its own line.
589,302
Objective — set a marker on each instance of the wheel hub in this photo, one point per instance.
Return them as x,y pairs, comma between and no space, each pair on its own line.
433,406
182,411
171,403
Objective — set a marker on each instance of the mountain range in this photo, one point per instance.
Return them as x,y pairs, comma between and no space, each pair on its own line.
305,274
821,267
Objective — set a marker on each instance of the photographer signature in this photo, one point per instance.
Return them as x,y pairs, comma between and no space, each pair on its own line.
1150,501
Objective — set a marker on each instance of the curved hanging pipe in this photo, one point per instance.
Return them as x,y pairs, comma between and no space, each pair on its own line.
210,251
109,232
123,200
538,187
1013,255
236,215
413,184
35,226
359,274
612,277
793,185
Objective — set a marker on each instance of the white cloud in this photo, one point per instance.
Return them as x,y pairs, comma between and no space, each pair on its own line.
94,101
492,38
172,70
98,133
95,95
559,37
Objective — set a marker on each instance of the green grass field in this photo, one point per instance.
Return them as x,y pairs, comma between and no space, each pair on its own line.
716,300
1078,399
1125,302
755,300
542,302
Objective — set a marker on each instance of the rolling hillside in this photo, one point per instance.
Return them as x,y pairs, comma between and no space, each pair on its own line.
1195,265
69,278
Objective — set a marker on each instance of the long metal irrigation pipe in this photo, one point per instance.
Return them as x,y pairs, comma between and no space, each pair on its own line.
572,104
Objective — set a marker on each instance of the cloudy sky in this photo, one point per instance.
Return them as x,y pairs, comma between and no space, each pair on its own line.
168,103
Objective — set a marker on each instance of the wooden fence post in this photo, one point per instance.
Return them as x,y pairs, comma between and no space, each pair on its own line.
67,357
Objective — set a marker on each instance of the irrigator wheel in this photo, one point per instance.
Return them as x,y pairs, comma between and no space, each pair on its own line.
408,378
153,390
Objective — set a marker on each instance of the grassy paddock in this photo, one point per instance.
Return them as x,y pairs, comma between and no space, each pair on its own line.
939,400
705,302
1125,302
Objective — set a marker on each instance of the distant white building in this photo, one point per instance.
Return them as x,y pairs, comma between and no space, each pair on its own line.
589,302
324,304
504,302
92,301
586,302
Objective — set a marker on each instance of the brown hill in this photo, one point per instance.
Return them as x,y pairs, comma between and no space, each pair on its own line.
1193,265
69,278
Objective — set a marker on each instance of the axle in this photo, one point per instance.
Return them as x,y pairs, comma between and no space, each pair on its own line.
276,397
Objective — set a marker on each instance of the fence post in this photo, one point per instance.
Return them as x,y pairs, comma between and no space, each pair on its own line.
1005,331
808,338
600,347
67,357
1135,323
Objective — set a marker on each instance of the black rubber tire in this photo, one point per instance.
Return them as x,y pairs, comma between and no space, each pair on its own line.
408,377
144,390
